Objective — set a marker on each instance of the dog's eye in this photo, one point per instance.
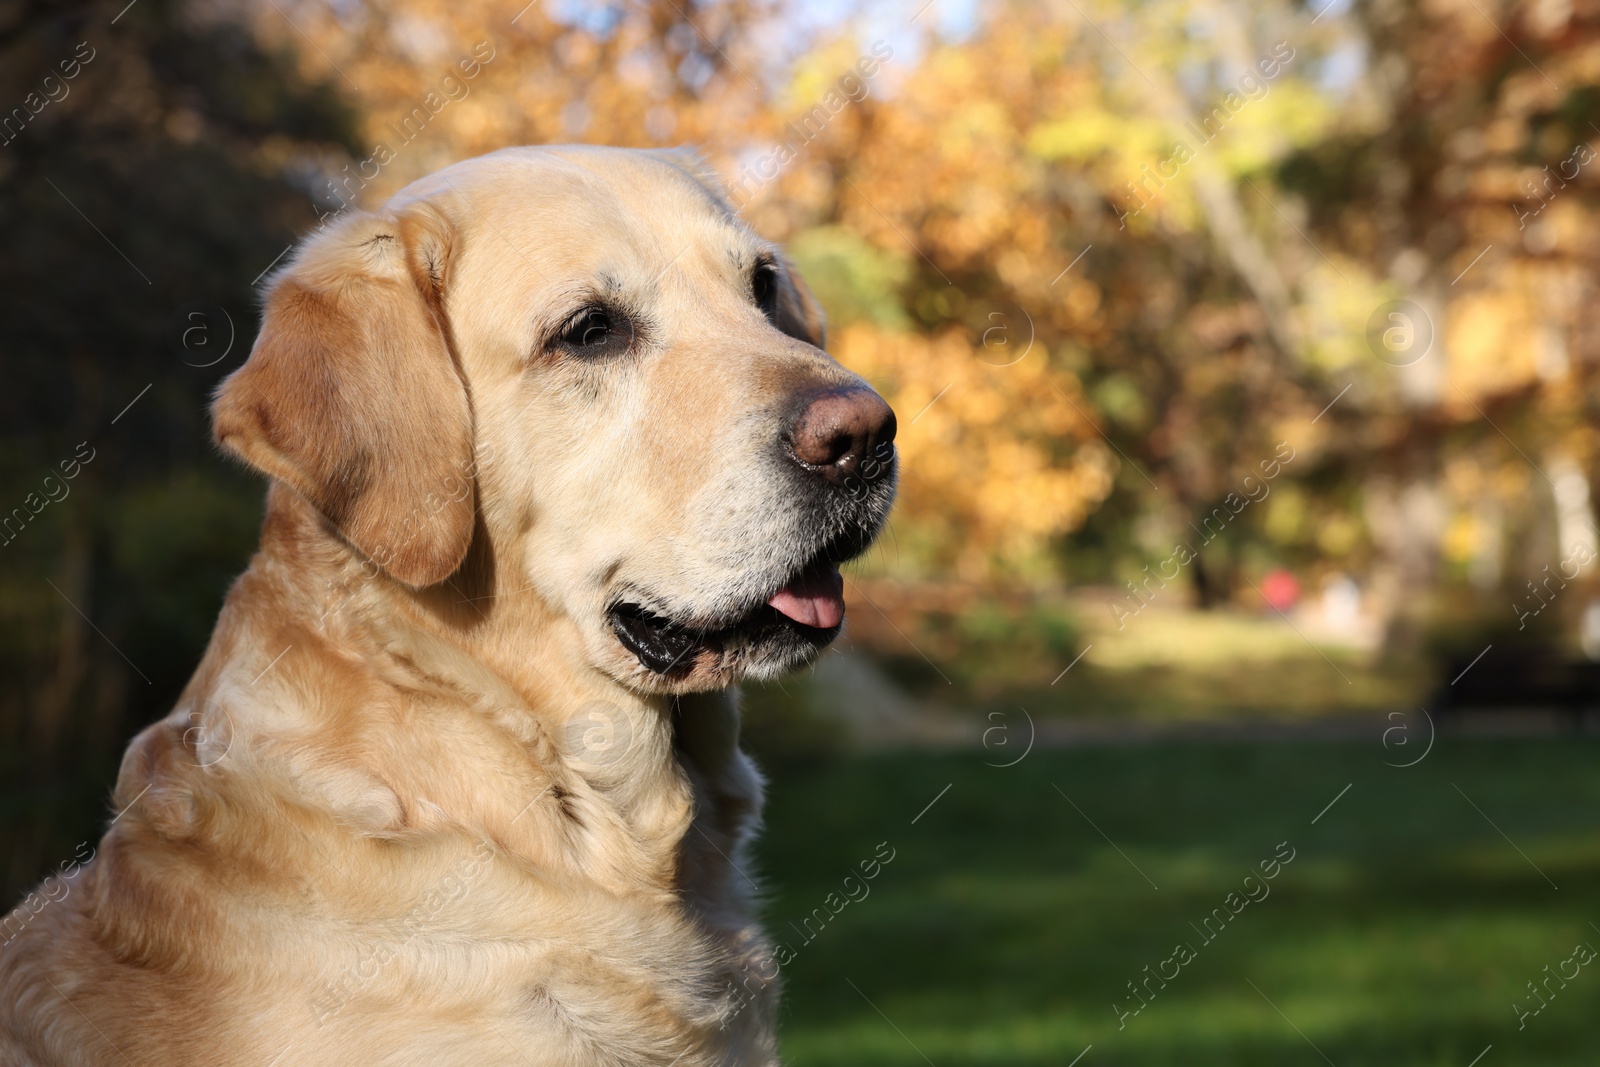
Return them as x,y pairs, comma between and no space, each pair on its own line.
594,331
592,326
764,288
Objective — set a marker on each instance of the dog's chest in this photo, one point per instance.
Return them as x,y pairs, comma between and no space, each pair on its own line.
564,976
570,965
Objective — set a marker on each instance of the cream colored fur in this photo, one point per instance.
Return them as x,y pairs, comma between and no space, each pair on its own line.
417,805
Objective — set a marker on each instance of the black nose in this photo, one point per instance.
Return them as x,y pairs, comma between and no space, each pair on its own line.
844,434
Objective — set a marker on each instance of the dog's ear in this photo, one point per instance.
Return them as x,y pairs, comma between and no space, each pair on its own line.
351,395
797,313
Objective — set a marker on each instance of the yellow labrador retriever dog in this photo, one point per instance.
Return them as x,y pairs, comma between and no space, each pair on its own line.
556,458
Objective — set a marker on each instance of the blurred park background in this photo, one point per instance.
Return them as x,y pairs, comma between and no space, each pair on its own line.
1246,361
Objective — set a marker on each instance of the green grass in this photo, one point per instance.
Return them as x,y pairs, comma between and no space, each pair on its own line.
1006,926
1170,663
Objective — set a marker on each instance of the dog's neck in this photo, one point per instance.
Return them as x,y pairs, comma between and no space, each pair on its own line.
487,718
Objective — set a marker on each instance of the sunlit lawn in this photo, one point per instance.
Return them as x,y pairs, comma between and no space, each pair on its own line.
1170,663
1403,931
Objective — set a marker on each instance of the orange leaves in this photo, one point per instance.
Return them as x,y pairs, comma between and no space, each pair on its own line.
996,461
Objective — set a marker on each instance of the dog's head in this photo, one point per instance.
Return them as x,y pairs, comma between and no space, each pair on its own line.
583,357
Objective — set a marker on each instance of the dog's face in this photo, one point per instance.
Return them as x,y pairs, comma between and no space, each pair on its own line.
629,382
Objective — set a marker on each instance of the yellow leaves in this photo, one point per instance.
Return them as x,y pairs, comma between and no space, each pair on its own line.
1334,313
1291,115
1463,537
976,126
1287,513
853,280
1490,339
835,76
1338,534
1087,134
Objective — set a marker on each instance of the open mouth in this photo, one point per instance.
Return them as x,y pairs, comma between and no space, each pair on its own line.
806,612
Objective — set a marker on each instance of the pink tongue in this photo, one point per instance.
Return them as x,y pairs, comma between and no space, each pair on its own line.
816,598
